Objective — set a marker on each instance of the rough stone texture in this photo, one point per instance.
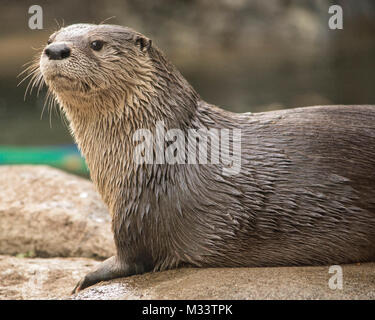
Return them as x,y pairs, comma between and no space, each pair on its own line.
54,278
49,213
240,283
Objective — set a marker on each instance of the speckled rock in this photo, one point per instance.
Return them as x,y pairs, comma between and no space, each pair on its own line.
240,283
46,212
52,278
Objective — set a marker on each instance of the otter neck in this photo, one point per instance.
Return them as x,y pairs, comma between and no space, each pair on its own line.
104,129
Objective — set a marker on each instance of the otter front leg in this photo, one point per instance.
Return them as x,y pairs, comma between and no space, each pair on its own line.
107,270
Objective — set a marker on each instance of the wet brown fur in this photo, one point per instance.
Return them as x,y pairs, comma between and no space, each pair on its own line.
305,194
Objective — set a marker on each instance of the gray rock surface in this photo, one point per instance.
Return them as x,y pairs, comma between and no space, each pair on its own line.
46,212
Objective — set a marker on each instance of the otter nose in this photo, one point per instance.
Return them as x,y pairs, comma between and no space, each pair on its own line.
57,51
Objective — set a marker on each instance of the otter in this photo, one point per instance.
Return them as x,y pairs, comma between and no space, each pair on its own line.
304,194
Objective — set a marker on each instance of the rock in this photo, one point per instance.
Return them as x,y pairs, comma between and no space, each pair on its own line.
239,283
48,213
38,278
55,278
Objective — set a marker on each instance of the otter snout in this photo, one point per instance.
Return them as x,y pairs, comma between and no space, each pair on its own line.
57,51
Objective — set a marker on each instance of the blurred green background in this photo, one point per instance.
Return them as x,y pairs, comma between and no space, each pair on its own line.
242,55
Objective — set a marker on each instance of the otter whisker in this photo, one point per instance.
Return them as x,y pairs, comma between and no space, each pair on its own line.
57,23
29,70
51,107
47,97
29,63
30,84
30,67
40,83
107,19
31,73
38,49
36,79
62,117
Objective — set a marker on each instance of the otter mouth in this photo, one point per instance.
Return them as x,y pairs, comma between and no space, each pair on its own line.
62,82
59,76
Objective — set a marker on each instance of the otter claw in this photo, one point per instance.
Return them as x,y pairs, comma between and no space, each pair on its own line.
79,286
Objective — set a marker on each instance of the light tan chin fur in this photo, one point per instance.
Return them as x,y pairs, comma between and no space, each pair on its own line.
92,115
98,102
115,98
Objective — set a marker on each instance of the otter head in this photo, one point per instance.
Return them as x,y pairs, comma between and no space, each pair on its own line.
109,69
85,63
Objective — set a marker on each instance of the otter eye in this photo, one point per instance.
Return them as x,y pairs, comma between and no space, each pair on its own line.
49,41
96,45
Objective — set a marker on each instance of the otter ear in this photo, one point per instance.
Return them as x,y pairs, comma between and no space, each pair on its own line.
143,43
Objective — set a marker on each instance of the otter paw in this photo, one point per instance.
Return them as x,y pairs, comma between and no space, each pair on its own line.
107,270
82,284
